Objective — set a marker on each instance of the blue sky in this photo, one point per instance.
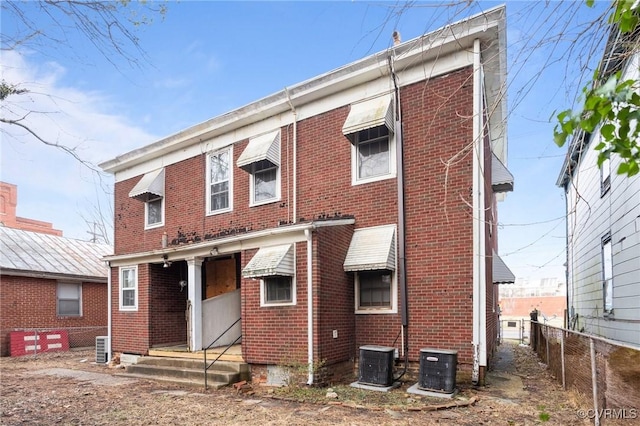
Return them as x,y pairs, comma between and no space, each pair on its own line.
206,58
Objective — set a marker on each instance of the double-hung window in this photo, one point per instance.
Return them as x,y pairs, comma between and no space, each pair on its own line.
129,288
150,190
372,259
264,182
275,267
374,289
370,129
69,300
373,157
261,159
277,290
607,274
154,210
219,182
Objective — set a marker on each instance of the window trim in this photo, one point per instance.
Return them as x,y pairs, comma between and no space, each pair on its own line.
263,294
121,289
355,178
79,286
605,179
252,186
377,310
159,224
209,212
607,283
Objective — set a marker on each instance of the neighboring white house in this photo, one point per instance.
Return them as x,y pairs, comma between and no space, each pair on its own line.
603,225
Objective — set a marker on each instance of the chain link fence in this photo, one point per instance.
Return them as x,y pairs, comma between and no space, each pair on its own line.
79,337
605,373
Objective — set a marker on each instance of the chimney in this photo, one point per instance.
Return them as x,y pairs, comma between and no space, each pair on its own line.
396,38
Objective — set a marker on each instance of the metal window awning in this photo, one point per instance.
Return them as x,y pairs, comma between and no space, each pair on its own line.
372,249
501,272
263,147
150,185
501,177
269,261
368,114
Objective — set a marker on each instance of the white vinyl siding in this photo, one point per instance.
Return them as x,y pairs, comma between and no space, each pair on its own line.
592,215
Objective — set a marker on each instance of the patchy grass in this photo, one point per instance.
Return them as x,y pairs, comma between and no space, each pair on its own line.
396,398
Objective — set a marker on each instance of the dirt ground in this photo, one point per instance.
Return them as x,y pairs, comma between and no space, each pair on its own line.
56,388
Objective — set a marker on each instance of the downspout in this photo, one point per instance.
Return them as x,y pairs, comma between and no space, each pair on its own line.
308,236
109,297
479,313
567,315
295,158
402,262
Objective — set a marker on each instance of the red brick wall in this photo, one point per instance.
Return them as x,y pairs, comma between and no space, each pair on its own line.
437,127
274,335
334,302
167,321
130,329
31,303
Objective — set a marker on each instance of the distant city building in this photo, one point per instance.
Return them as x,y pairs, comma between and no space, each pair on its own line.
546,295
8,218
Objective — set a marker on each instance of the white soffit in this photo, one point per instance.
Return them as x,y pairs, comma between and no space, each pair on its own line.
372,249
269,261
501,177
151,183
264,147
501,272
368,114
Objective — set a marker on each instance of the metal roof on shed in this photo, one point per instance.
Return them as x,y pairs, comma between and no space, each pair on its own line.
36,254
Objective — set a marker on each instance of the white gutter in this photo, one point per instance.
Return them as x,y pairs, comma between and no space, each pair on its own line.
109,300
477,205
307,233
295,159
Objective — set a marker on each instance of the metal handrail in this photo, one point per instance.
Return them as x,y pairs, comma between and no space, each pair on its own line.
206,367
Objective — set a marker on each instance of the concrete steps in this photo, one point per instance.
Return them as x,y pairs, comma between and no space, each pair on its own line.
188,371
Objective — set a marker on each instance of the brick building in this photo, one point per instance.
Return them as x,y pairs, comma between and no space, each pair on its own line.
48,281
356,208
8,218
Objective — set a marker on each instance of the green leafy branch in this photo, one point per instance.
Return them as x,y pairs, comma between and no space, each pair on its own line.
614,106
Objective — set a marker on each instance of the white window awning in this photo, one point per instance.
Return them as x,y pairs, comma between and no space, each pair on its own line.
501,177
501,272
368,114
372,249
151,185
269,261
264,147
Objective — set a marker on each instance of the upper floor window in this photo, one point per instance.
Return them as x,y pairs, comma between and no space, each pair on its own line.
69,299
264,182
369,127
219,182
607,274
128,288
154,213
261,158
150,189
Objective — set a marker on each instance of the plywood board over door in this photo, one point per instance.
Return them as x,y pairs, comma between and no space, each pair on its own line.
221,277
